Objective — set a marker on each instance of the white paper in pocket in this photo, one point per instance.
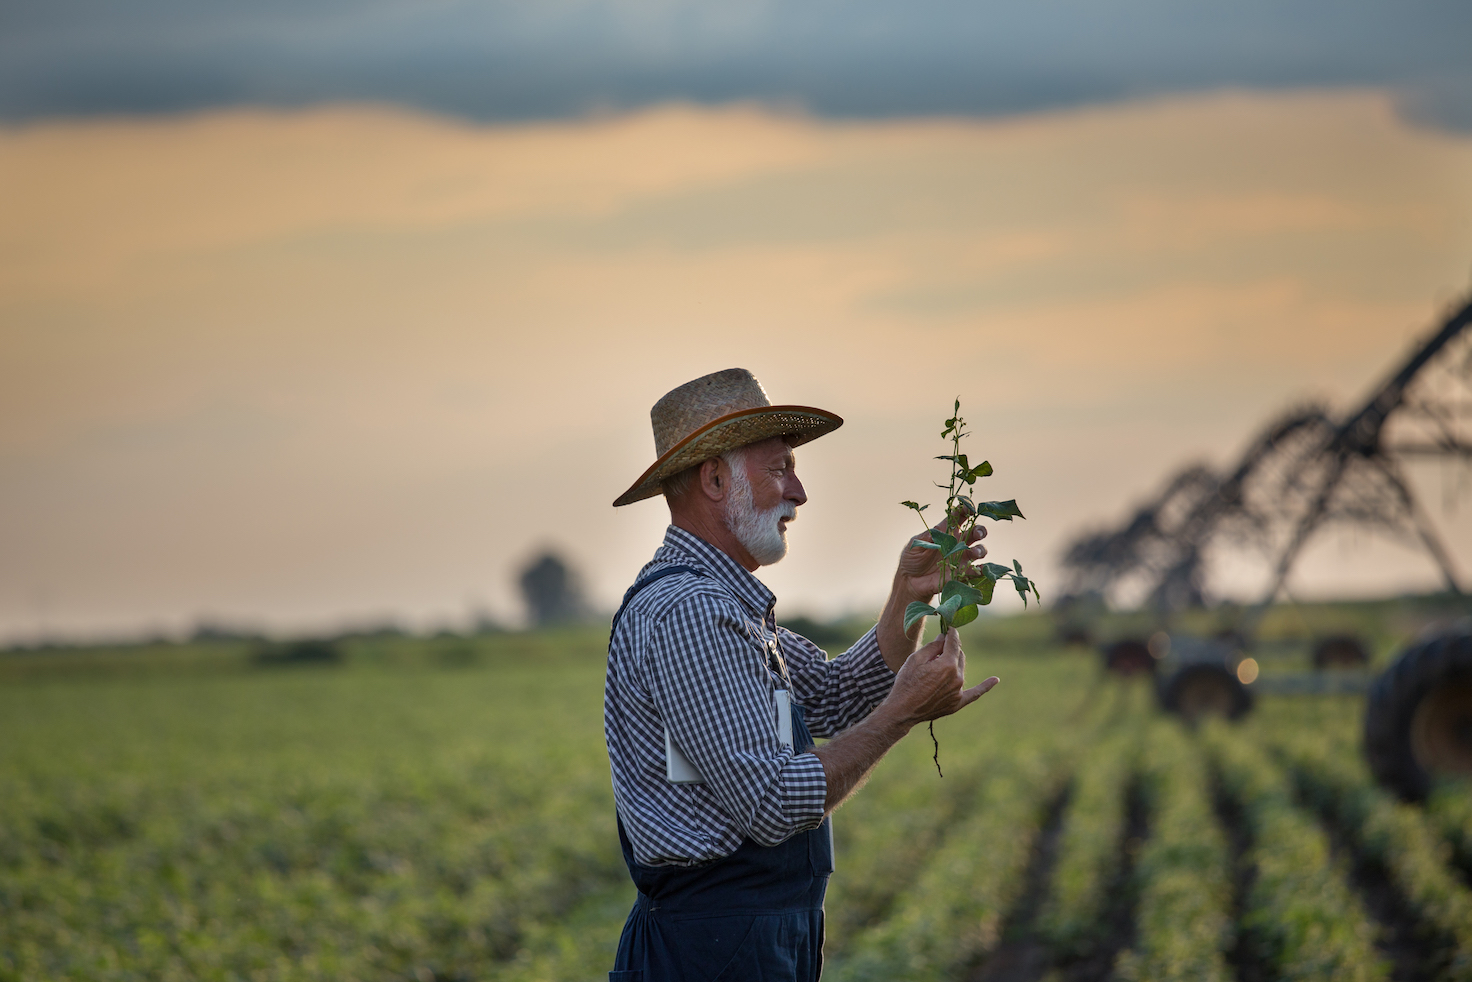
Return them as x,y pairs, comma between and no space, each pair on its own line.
784,717
677,767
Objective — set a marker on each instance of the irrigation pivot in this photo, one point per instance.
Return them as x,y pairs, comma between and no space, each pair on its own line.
1301,473
1304,472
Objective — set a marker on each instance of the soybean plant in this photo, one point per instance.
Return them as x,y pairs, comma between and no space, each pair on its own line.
964,588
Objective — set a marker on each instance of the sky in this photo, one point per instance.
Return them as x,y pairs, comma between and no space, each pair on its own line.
499,60
340,355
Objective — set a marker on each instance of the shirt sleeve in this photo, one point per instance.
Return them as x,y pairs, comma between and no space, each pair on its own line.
836,694
708,679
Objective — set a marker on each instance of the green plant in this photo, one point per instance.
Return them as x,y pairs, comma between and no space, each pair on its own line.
1183,916
952,914
964,588
1088,850
1302,914
1402,839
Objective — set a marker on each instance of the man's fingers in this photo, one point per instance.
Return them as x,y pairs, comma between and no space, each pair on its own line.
954,650
914,543
930,651
977,532
968,696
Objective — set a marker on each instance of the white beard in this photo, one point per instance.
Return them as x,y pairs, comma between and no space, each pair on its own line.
758,531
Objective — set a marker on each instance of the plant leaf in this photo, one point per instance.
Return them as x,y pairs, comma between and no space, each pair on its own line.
948,608
955,588
943,541
970,474
988,586
965,615
994,570
917,610
913,506
924,545
1021,583
1000,511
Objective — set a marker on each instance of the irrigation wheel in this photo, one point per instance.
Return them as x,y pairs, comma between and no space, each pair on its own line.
1204,689
1129,656
1418,719
1340,651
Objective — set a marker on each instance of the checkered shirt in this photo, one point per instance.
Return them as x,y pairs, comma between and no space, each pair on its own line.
695,653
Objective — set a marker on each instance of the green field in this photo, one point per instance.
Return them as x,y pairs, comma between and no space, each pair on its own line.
440,809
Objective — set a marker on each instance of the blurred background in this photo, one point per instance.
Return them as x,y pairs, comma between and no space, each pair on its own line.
329,332
326,315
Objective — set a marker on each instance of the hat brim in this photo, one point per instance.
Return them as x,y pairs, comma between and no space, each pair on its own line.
801,424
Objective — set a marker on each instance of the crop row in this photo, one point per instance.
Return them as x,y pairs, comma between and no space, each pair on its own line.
949,908
1450,810
1393,834
415,854
1183,914
361,824
1089,855
952,913
1302,914
884,834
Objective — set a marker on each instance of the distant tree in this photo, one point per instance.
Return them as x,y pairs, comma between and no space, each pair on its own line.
552,591
308,651
208,630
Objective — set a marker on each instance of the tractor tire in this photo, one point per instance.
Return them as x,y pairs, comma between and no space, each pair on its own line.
1418,717
1201,689
1340,651
1075,635
1129,656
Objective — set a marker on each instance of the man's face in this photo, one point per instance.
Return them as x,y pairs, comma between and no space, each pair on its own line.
764,498
771,470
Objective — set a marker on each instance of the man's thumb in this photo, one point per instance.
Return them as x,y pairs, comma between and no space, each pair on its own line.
968,696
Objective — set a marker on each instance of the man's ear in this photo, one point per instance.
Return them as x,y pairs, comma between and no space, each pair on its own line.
712,482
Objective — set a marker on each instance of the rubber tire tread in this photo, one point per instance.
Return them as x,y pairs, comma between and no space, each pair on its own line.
1360,652
1392,702
1170,687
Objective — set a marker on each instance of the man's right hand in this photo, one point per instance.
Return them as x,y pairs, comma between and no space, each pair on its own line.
931,683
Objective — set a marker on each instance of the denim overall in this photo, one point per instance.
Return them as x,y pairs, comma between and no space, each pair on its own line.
753,916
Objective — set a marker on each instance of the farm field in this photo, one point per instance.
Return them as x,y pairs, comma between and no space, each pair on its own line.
440,809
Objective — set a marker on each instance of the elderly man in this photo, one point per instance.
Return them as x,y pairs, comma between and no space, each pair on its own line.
710,708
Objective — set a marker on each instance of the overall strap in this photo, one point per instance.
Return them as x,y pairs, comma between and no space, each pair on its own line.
629,594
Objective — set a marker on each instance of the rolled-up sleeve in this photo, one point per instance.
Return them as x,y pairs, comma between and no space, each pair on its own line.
708,678
836,694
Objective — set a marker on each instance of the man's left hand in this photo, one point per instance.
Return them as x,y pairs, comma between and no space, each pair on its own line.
918,576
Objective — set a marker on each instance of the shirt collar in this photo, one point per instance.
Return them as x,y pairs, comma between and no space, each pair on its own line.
680,544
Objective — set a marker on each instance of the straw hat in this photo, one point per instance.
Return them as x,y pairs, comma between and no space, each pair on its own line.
715,413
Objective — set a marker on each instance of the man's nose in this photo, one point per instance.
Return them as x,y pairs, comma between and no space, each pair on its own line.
794,492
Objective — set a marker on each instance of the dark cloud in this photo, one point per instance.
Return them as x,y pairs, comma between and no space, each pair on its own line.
498,60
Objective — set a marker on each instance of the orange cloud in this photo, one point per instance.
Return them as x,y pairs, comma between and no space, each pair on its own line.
374,357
